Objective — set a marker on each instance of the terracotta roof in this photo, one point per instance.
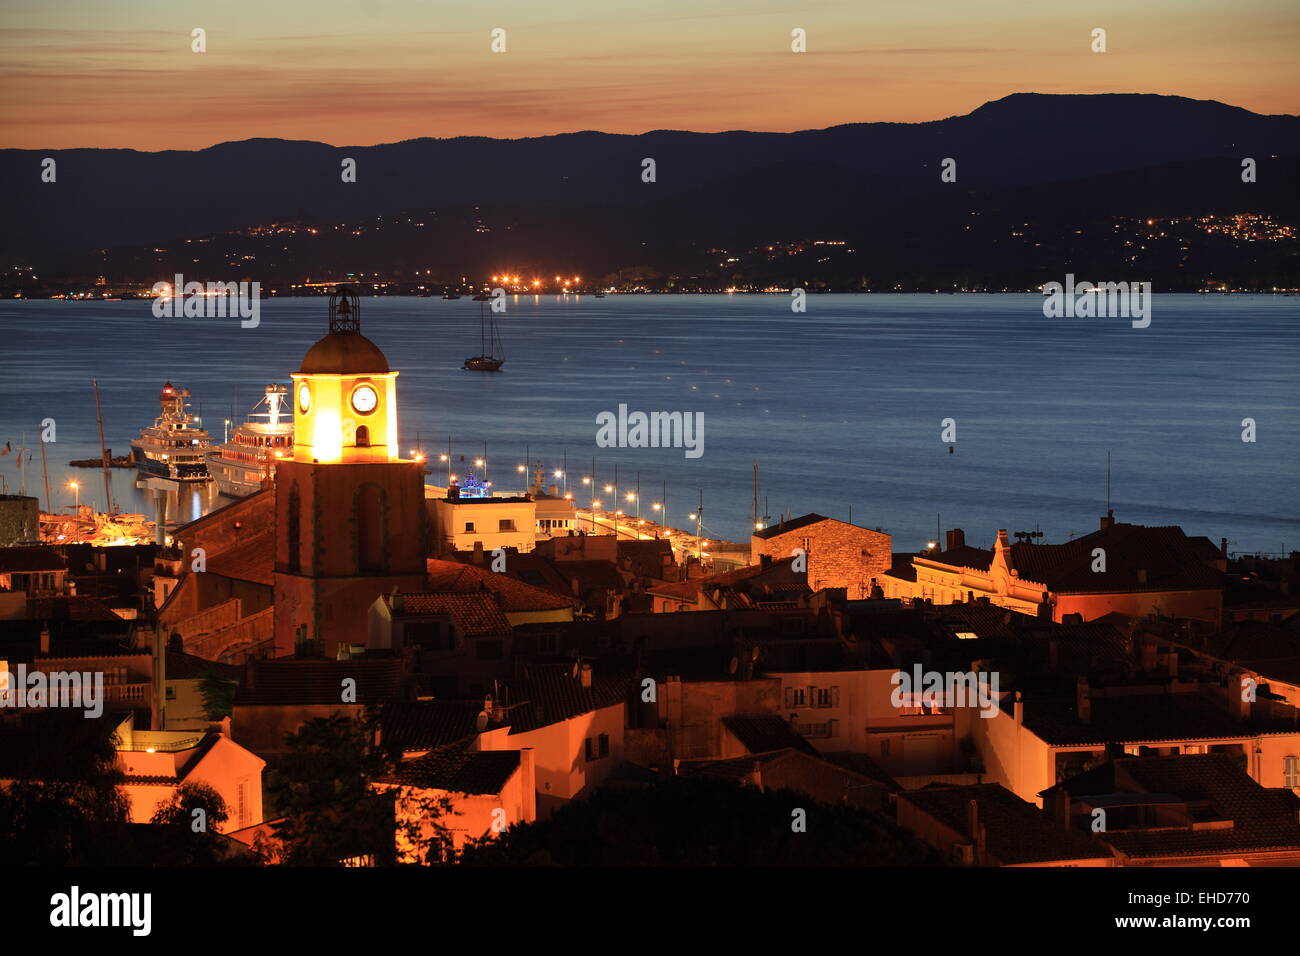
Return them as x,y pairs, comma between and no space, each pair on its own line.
250,560
182,666
1015,831
552,693
429,724
475,613
460,771
766,732
512,595
1139,718
82,607
1262,818
30,560
261,500
963,556
290,681
754,580
1171,560
794,524
1253,640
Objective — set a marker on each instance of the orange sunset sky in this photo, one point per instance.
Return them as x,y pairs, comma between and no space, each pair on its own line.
88,73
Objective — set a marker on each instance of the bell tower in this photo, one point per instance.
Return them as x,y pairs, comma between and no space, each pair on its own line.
350,514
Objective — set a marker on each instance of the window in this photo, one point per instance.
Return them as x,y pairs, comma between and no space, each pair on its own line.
547,643
596,747
369,517
363,436
915,705
469,527
828,728
506,524
884,748
429,635
796,697
826,697
1194,748
1291,772
171,692
295,529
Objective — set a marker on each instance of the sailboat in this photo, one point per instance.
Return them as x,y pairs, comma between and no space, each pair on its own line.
492,355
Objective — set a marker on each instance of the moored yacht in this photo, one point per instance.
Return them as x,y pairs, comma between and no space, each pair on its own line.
175,446
247,459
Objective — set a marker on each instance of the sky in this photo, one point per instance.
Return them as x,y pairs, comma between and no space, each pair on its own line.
90,73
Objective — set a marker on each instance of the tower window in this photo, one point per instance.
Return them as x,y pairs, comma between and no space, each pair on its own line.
363,436
295,529
369,517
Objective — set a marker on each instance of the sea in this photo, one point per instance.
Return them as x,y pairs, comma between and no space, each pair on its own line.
908,413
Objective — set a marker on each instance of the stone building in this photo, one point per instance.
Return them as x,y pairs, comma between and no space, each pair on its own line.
839,554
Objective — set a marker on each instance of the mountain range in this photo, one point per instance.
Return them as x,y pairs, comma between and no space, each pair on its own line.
1046,159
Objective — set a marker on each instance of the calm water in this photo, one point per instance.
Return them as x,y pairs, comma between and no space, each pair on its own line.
842,406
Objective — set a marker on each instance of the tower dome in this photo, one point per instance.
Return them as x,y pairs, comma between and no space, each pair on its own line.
344,351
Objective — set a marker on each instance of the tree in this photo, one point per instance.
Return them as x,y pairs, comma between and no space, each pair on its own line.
334,794
64,806
218,694
192,816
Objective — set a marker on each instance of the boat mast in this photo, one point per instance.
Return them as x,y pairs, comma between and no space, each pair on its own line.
99,414
46,473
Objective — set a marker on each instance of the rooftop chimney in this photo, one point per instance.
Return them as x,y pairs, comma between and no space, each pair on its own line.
954,538
1018,708
478,553
584,674
1109,520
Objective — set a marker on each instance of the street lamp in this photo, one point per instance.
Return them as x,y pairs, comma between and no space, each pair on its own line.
76,490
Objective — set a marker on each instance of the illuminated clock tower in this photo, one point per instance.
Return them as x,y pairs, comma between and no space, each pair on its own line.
349,510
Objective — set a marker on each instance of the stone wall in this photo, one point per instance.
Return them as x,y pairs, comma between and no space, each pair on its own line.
840,555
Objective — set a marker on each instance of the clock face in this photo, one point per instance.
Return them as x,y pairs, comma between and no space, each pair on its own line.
364,399
304,398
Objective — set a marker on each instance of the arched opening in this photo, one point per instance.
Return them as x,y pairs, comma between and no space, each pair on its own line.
369,515
363,436
295,529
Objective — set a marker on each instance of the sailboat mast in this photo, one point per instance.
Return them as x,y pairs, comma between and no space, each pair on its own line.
46,473
99,414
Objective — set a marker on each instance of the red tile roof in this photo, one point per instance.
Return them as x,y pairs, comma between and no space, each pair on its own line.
251,560
1015,831
511,593
476,613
